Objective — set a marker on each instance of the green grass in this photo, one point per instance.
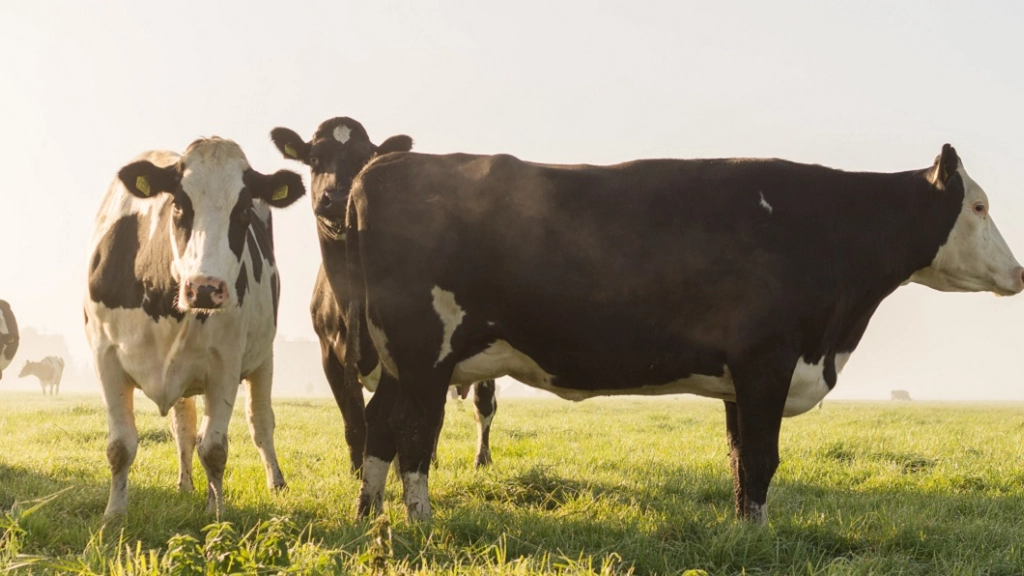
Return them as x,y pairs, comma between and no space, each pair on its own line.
603,486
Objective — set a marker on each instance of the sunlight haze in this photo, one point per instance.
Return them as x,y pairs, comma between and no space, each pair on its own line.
877,86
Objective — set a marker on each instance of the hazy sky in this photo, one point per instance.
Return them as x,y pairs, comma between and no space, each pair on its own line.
872,86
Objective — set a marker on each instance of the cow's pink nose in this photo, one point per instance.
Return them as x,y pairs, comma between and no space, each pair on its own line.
205,292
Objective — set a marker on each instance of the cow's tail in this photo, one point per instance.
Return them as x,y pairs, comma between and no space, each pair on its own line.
355,307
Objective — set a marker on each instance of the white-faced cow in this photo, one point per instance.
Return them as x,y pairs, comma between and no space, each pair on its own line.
49,371
338,151
751,281
9,337
182,300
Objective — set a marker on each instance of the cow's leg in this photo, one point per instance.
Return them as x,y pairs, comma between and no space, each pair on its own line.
348,394
380,446
260,414
213,438
183,427
732,429
762,384
418,413
486,403
123,436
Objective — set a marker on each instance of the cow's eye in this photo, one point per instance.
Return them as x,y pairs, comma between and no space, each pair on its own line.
980,208
314,162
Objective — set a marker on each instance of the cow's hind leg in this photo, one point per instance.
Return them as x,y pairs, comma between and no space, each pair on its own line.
762,384
417,415
260,414
380,446
348,394
123,436
486,403
183,427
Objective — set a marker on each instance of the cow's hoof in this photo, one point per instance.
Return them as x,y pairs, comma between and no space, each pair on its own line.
368,507
483,460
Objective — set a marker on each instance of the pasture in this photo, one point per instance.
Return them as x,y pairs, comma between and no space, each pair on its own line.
603,486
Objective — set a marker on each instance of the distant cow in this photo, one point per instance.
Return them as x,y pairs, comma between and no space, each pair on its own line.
182,300
338,151
751,281
9,337
49,371
899,395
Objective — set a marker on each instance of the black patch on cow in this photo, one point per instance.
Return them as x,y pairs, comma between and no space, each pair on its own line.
275,293
183,215
255,256
264,239
241,217
242,283
131,270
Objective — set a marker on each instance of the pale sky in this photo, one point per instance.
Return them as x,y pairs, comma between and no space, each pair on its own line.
878,86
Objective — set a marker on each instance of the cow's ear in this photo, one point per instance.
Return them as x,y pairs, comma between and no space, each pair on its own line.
145,179
946,164
291,145
400,143
279,189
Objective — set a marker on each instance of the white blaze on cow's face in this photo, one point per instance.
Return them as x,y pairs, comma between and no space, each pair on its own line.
975,258
211,216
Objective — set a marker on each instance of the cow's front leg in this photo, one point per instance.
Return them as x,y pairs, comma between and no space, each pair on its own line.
123,436
260,414
762,384
485,401
418,414
213,439
732,430
348,395
380,446
183,428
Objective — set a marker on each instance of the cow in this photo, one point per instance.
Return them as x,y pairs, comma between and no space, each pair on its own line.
49,371
746,280
339,149
182,299
9,337
899,395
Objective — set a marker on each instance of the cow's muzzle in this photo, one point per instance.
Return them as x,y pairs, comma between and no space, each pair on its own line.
331,204
205,292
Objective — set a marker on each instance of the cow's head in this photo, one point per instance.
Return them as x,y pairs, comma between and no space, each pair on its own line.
338,151
26,370
974,258
212,189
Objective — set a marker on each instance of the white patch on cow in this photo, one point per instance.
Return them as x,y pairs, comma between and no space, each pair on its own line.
372,380
417,500
342,133
757,513
764,203
375,475
497,360
380,342
975,257
451,315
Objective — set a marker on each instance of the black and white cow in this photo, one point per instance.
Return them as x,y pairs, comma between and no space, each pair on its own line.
9,336
182,300
338,151
751,281
49,371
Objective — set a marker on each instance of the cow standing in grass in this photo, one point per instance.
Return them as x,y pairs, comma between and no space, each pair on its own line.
49,371
338,151
9,337
750,281
182,300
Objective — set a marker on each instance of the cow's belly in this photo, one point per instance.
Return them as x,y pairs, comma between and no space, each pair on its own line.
807,386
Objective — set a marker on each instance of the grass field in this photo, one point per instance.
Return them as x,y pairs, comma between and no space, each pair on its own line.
603,486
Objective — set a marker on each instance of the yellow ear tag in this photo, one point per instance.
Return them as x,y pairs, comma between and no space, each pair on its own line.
142,185
280,194
290,151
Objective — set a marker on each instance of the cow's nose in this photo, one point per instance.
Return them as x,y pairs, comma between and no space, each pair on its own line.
1020,273
331,204
206,292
